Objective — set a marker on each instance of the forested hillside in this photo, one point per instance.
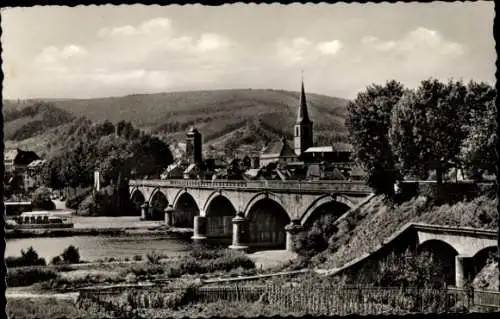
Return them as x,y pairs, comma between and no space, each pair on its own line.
226,118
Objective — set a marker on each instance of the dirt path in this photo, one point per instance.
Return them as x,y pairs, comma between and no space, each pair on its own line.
271,258
26,292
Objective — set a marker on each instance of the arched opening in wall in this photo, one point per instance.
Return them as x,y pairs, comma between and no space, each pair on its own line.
137,199
220,213
185,211
324,216
157,206
267,221
481,267
442,257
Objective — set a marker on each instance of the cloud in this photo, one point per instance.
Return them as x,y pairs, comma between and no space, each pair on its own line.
211,41
292,51
331,47
421,41
56,59
149,56
299,50
149,27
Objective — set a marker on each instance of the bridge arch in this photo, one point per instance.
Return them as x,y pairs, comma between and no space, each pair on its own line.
137,198
443,255
157,203
267,219
325,207
219,212
260,196
185,209
480,260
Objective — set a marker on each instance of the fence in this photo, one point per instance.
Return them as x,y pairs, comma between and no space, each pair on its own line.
294,299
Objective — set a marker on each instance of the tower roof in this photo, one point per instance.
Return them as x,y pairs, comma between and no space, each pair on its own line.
302,114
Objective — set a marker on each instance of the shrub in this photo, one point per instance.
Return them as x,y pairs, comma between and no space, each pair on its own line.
144,270
137,257
404,270
25,277
28,258
41,199
153,258
71,255
57,260
74,201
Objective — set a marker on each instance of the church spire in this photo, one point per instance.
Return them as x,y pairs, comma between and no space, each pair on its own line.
302,114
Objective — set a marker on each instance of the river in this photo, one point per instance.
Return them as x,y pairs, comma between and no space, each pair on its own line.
92,248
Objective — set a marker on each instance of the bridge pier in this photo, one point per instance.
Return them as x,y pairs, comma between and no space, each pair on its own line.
462,269
292,230
199,230
238,233
144,210
169,210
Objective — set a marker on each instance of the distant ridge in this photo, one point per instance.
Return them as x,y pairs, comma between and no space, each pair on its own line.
228,118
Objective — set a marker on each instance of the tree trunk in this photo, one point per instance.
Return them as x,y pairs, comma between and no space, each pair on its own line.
439,176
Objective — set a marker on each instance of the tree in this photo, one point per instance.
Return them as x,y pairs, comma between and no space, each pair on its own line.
478,147
426,131
41,199
368,122
71,255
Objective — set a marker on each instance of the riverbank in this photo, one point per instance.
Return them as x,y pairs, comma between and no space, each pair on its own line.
181,233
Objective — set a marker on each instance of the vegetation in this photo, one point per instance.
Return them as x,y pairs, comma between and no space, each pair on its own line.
43,308
28,258
71,255
363,232
368,121
119,153
17,277
171,114
40,199
33,119
414,132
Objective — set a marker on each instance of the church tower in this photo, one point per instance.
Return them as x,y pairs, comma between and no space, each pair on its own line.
303,131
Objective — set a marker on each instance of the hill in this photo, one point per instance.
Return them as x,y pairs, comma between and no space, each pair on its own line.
21,123
236,117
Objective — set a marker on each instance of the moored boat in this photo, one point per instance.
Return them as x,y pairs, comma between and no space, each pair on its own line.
40,220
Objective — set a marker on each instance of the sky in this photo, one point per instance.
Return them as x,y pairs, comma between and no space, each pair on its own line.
99,51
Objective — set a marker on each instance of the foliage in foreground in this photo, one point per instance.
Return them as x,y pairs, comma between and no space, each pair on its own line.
401,132
43,308
368,228
28,258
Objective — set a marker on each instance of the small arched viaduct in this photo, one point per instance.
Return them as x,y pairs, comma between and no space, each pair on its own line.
263,208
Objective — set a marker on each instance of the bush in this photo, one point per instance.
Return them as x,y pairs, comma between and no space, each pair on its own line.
404,270
153,258
41,199
25,277
74,201
57,260
28,258
71,255
137,257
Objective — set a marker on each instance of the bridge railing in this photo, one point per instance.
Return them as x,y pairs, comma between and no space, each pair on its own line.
330,185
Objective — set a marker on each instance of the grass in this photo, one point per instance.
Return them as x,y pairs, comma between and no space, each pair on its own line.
363,232
197,264
219,309
43,308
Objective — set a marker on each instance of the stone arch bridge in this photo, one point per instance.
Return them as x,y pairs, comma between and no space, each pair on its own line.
245,213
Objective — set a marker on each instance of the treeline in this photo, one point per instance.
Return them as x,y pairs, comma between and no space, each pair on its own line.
33,120
117,151
398,132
